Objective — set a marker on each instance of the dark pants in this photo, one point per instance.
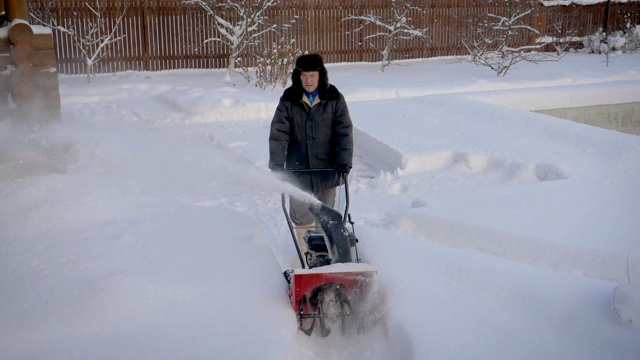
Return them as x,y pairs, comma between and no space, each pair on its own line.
299,210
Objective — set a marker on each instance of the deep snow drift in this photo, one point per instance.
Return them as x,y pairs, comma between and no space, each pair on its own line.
497,233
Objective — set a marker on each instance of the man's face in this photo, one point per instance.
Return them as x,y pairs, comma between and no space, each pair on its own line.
310,80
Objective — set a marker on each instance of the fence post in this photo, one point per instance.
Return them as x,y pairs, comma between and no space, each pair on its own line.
539,21
145,36
606,18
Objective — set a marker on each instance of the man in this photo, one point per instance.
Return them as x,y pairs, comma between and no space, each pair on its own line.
311,129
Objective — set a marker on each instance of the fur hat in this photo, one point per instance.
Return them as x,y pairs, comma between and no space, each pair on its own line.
310,62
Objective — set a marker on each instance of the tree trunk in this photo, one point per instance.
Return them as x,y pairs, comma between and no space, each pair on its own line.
87,67
230,68
385,55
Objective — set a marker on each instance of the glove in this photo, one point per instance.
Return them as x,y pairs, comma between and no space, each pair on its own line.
343,169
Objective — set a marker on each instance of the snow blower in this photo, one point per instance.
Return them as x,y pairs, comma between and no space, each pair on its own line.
331,286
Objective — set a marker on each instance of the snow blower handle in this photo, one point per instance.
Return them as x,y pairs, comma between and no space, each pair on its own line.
346,198
290,225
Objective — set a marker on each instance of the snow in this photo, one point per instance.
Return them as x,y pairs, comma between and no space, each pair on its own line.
579,2
497,233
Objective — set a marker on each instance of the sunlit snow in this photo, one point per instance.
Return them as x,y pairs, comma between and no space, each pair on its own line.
497,233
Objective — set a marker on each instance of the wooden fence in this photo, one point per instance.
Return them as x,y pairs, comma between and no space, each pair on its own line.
167,34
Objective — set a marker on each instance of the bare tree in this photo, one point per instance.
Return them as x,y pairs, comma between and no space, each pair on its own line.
393,28
240,23
498,41
94,38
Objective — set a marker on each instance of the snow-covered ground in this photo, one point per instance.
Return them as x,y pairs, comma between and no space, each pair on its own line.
497,233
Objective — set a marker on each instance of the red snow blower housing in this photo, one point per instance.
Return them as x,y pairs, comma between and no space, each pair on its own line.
331,286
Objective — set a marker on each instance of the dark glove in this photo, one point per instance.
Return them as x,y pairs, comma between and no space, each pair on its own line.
343,169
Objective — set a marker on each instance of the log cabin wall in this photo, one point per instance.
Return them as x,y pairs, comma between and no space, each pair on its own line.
29,90
29,96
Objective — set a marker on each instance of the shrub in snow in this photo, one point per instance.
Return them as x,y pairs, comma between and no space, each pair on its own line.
274,65
633,39
592,43
617,42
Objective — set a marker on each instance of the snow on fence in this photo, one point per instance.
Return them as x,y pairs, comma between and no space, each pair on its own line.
168,34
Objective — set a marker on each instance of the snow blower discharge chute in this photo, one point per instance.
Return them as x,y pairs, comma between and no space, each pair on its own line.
331,287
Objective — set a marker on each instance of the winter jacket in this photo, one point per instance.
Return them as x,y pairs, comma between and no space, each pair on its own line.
305,137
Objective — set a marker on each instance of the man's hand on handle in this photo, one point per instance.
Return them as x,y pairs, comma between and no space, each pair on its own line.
343,169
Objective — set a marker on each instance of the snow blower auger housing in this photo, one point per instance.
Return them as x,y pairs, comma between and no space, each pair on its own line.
331,286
